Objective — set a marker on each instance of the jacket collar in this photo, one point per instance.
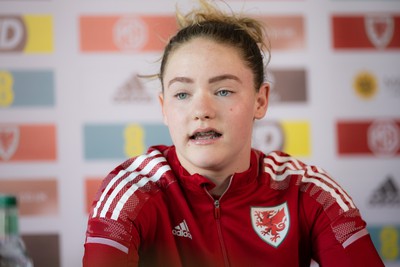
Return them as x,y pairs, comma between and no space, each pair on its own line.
197,182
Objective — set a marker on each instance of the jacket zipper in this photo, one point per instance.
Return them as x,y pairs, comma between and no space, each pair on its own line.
217,216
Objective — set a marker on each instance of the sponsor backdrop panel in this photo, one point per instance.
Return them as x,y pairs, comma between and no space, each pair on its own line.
72,106
27,88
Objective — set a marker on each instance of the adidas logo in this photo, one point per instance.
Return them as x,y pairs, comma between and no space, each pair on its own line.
387,194
182,230
132,91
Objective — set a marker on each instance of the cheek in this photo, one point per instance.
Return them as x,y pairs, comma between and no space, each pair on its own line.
173,115
242,111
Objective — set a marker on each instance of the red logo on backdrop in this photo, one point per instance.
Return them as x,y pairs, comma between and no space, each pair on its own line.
384,137
380,29
271,223
125,33
9,139
380,137
130,33
371,31
27,142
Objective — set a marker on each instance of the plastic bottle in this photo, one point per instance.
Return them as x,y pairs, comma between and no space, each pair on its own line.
12,247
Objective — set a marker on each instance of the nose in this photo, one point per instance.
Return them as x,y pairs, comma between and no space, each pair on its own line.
203,107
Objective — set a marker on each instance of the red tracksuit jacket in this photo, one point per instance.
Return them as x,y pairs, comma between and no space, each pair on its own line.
281,212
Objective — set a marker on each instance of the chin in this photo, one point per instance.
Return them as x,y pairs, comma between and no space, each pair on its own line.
202,156
204,160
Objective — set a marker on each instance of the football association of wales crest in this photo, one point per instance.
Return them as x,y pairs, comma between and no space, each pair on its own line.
9,141
380,29
271,223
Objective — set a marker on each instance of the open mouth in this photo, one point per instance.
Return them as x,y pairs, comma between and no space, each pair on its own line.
205,135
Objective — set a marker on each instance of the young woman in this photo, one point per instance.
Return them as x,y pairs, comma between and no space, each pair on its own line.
210,199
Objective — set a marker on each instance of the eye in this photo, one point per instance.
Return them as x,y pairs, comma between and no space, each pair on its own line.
224,92
181,96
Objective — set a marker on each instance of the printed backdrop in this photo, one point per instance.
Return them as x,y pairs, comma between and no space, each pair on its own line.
72,107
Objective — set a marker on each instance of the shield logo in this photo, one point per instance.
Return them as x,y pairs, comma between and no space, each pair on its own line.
9,139
271,223
380,29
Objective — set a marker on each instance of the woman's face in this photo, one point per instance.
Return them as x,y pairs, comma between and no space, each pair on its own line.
209,104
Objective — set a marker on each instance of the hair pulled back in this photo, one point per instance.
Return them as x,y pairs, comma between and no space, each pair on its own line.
245,34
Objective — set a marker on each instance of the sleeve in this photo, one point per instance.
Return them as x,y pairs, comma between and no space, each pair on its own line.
118,225
101,255
112,238
338,233
105,246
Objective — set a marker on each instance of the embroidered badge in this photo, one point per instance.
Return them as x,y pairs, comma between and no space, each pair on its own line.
271,223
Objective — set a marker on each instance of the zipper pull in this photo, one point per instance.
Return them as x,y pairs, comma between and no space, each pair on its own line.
217,213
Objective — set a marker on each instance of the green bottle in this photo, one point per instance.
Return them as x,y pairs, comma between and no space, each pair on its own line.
12,247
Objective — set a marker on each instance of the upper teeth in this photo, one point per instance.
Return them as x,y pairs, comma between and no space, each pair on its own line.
205,133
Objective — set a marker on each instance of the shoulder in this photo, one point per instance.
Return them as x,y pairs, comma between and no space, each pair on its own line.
280,165
131,189
319,196
130,185
313,181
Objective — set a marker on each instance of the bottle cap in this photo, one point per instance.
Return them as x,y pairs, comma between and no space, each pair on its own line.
7,201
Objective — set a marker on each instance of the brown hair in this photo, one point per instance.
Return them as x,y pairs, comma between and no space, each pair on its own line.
245,34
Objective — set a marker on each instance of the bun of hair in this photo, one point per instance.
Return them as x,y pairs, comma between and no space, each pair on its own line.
210,12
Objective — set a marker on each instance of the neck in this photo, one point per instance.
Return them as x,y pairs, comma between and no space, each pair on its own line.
221,185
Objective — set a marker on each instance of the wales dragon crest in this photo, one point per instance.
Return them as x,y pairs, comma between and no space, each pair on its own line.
271,223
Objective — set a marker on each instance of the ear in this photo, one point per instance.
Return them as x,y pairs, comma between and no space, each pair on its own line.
161,100
261,101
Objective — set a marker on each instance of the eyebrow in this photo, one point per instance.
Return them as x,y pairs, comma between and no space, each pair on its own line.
211,80
181,80
224,77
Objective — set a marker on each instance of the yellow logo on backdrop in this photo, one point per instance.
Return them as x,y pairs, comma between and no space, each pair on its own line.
297,138
365,84
390,239
6,89
27,33
40,29
134,140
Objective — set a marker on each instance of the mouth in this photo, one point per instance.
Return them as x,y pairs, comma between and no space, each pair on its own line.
205,135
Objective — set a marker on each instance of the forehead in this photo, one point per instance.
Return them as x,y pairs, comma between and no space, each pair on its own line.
205,55
198,45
